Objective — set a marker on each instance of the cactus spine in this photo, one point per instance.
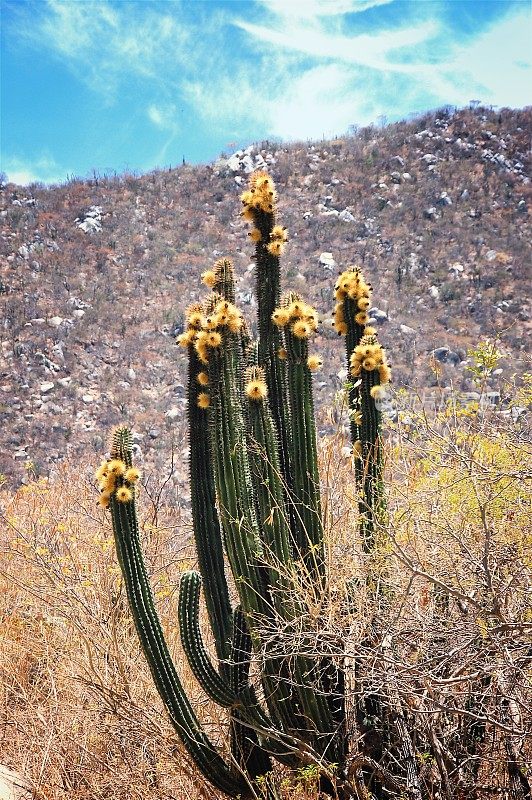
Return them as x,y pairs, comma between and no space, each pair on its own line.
257,514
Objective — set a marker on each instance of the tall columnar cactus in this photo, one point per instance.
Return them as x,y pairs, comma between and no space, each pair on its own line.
369,373
257,520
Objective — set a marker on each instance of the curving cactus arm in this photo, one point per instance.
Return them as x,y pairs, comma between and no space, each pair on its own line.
149,630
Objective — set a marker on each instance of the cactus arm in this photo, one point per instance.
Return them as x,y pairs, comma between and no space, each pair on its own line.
353,296
233,479
266,476
140,597
206,524
209,679
245,746
306,487
368,364
260,210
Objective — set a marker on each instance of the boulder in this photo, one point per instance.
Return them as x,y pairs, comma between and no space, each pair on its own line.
446,356
378,315
327,261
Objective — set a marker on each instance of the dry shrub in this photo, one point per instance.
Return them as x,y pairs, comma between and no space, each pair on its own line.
79,714
438,617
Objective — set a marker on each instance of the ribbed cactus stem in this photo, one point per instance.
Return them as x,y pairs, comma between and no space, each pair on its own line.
260,209
206,524
140,597
353,299
368,365
301,323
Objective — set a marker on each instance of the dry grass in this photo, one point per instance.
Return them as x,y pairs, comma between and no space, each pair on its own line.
450,583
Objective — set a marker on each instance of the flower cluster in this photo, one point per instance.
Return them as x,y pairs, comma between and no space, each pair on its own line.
207,323
114,476
352,285
369,355
259,208
301,318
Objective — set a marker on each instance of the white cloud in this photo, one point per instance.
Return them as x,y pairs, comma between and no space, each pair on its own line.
104,44
371,50
310,9
25,171
495,66
163,116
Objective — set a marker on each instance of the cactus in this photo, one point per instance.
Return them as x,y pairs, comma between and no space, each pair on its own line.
257,515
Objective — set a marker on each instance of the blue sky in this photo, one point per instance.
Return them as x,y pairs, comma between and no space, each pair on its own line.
125,85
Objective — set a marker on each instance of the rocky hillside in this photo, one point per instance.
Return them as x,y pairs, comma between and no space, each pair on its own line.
95,274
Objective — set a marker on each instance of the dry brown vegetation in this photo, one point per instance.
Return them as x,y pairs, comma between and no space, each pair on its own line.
449,585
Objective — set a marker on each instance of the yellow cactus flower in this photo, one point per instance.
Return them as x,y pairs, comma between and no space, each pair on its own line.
314,363
116,467
341,328
202,378
209,278
356,369
132,475
234,323
255,235
369,364
101,472
186,338
214,339
296,309
123,494
301,329
280,317
204,400
275,248
361,318
363,303
247,214
256,389
104,499
339,294
246,197
202,351
369,331
357,417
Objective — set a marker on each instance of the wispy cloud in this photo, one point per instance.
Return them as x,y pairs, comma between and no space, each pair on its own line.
105,43
43,169
312,9
293,69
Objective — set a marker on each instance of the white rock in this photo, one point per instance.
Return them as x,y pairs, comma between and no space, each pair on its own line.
90,225
79,313
407,330
55,322
327,261
46,387
172,413
65,381
88,398
434,292
346,216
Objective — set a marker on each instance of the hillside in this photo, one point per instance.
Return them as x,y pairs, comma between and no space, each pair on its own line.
95,274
